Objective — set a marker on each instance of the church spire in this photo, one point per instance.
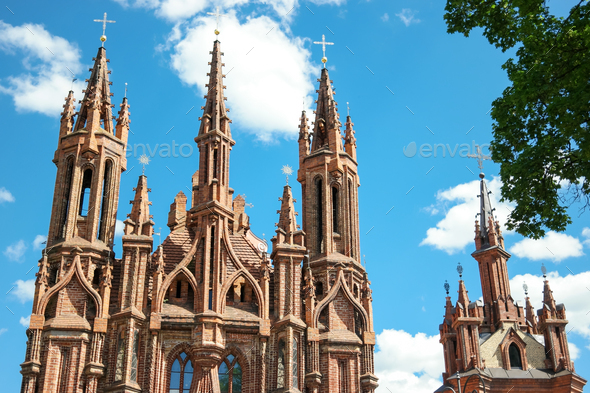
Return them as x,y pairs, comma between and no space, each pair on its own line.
214,112
326,132
486,218
95,111
67,116
349,139
287,224
139,221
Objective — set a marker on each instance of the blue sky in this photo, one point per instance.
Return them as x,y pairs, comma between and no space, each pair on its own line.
407,81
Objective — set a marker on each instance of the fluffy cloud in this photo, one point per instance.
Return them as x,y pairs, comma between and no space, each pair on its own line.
406,363
264,98
24,290
47,61
407,16
15,251
38,242
119,228
570,290
385,17
3,330
586,234
25,321
5,195
460,204
554,246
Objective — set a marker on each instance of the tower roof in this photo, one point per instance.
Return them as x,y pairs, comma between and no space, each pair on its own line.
139,221
95,111
303,127
214,112
326,130
287,220
486,217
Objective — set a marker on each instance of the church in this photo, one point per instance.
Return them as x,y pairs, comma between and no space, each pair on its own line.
213,309
496,344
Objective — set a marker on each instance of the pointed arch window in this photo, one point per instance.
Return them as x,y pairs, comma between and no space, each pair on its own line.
319,215
65,201
181,374
514,354
85,192
335,226
281,365
295,365
230,375
343,376
120,356
106,202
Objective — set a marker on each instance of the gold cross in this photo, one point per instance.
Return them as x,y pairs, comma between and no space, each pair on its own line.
480,157
104,22
323,43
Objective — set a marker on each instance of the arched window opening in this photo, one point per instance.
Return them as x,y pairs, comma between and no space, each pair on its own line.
319,289
206,178
241,296
224,164
65,200
215,163
85,192
63,374
319,216
358,323
335,227
96,277
356,291
295,365
90,308
53,276
230,375
281,365
120,356
106,201
181,374
178,289
323,319
134,355
351,219
514,354
211,266
343,376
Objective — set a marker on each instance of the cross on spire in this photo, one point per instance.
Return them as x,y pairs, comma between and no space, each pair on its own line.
323,43
480,157
217,15
104,22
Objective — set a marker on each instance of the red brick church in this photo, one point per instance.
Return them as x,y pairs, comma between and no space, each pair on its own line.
498,345
210,310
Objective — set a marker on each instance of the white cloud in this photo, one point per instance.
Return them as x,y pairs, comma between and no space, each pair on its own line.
586,234
574,350
385,17
3,330
5,195
570,290
268,71
554,246
46,80
15,251
24,290
455,230
406,363
25,321
407,16
119,228
38,242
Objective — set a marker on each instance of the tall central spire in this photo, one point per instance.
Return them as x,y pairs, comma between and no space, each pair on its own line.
326,130
214,112
486,217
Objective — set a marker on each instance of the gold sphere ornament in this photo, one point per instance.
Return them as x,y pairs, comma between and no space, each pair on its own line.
324,59
216,32
103,38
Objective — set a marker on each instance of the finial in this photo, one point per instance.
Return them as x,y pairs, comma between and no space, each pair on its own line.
104,22
347,109
217,15
144,160
480,158
323,43
447,287
526,289
544,270
460,270
125,90
287,171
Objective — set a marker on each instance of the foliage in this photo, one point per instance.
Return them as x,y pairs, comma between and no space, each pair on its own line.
541,134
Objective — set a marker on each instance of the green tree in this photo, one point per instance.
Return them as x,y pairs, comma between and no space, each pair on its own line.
541,122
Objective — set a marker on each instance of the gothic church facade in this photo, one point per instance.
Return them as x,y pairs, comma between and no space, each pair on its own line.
209,310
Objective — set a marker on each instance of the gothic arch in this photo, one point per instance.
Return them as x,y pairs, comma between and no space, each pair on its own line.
339,284
510,338
248,277
237,353
75,268
172,356
180,267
